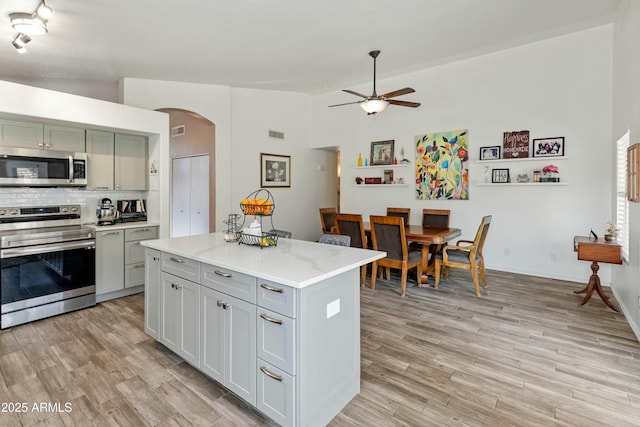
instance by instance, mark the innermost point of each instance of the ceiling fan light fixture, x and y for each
(21, 40)
(44, 11)
(19, 47)
(373, 106)
(27, 23)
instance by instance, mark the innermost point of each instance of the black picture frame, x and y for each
(275, 171)
(490, 153)
(500, 176)
(381, 153)
(548, 147)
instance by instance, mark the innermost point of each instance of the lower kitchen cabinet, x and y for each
(109, 261)
(120, 260)
(228, 337)
(152, 293)
(180, 318)
(276, 393)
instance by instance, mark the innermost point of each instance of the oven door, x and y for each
(34, 276)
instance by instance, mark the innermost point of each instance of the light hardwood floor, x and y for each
(523, 354)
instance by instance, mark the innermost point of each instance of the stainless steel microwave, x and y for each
(23, 167)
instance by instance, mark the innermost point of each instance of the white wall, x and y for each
(25, 102)
(557, 87)
(626, 117)
(243, 118)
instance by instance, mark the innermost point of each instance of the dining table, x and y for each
(432, 239)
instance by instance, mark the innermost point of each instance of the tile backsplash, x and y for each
(87, 199)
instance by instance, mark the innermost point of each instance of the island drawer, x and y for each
(277, 297)
(276, 339)
(239, 285)
(142, 233)
(180, 266)
(276, 393)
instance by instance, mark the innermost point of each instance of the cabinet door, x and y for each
(212, 328)
(199, 191)
(169, 312)
(189, 322)
(240, 340)
(130, 162)
(63, 138)
(109, 261)
(276, 394)
(14, 133)
(133, 253)
(100, 154)
(180, 197)
(152, 293)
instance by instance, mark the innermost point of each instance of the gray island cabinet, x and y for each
(277, 326)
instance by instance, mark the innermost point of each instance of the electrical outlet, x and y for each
(507, 252)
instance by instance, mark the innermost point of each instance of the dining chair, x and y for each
(335, 239)
(388, 235)
(468, 257)
(352, 225)
(404, 213)
(327, 218)
(432, 218)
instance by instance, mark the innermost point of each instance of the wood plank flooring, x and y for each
(523, 354)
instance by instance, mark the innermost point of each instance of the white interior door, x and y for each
(199, 194)
(180, 197)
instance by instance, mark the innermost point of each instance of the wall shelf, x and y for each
(525, 159)
(381, 185)
(513, 184)
(399, 165)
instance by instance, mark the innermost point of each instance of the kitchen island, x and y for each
(279, 326)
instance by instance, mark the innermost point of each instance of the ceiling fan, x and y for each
(376, 103)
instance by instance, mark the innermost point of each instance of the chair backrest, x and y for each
(436, 218)
(335, 239)
(404, 213)
(353, 226)
(481, 234)
(388, 235)
(327, 219)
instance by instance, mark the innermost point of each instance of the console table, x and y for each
(596, 250)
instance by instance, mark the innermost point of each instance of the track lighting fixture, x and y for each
(29, 24)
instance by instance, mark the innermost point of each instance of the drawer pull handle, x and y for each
(174, 286)
(110, 233)
(138, 266)
(271, 319)
(222, 304)
(140, 230)
(223, 274)
(269, 374)
(174, 259)
(269, 288)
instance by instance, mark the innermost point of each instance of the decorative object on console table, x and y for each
(500, 176)
(275, 170)
(382, 152)
(490, 153)
(550, 173)
(515, 144)
(548, 147)
(442, 166)
(612, 232)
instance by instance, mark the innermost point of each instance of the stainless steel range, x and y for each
(47, 263)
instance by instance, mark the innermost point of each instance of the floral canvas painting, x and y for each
(442, 166)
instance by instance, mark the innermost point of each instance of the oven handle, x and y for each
(43, 249)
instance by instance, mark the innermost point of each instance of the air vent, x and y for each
(275, 134)
(177, 130)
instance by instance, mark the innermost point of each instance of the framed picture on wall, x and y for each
(548, 147)
(490, 153)
(382, 152)
(500, 175)
(275, 170)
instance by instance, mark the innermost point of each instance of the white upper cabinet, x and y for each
(130, 166)
(63, 138)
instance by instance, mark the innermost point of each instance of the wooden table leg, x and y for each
(594, 285)
(428, 263)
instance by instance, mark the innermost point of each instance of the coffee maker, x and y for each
(106, 212)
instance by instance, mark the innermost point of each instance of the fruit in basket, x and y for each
(258, 206)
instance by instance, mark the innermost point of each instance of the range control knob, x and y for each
(74, 209)
(63, 210)
(13, 212)
(2, 211)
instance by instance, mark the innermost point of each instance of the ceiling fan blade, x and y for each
(404, 103)
(346, 103)
(398, 92)
(354, 93)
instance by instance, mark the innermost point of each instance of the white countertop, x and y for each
(121, 226)
(295, 263)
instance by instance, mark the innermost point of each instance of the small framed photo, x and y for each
(382, 152)
(548, 147)
(275, 170)
(490, 153)
(500, 175)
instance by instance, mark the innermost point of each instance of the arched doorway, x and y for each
(192, 152)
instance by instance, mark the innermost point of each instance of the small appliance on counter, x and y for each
(106, 212)
(132, 210)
